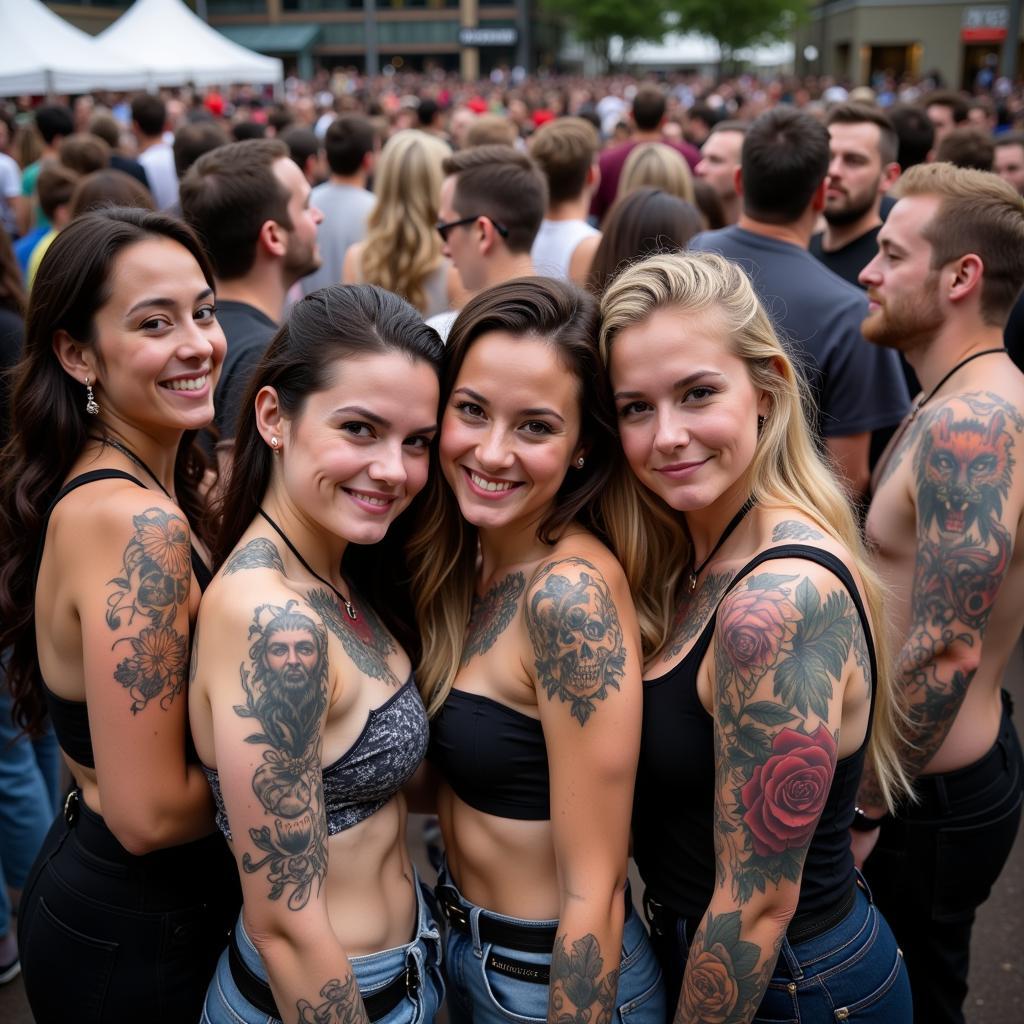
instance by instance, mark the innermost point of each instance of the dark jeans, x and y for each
(107, 937)
(936, 863)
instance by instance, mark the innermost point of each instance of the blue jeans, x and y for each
(29, 772)
(854, 967)
(226, 1005)
(481, 995)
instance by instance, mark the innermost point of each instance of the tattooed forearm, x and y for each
(341, 1004)
(285, 688)
(695, 611)
(491, 615)
(576, 636)
(155, 581)
(259, 553)
(365, 639)
(793, 529)
(580, 991)
(725, 978)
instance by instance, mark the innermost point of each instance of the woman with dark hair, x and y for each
(303, 705)
(127, 905)
(531, 671)
(641, 223)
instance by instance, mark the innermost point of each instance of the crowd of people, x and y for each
(603, 469)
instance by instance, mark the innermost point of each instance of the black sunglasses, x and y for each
(443, 229)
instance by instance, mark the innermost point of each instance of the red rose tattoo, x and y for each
(753, 627)
(786, 794)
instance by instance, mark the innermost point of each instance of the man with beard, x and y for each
(945, 519)
(250, 205)
(863, 148)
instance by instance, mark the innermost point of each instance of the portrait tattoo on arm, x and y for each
(491, 615)
(259, 553)
(341, 1004)
(576, 636)
(285, 686)
(365, 639)
(155, 581)
(579, 993)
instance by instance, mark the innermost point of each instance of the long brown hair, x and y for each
(51, 425)
(443, 549)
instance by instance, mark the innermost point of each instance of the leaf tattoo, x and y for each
(576, 636)
(285, 687)
(155, 581)
(578, 994)
(259, 553)
(491, 615)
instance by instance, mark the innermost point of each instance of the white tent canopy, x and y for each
(177, 47)
(40, 52)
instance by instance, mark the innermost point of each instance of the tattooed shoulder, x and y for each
(577, 640)
(284, 681)
(793, 529)
(259, 553)
(982, 403)
(491, 615)
(154, 582)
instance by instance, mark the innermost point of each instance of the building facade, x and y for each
(861, 40)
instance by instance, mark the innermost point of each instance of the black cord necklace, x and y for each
(963, 362)
(349, 608)
(733, 523)
(129, 454)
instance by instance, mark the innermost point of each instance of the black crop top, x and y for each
(71, 717)
(673, 808)
(493, 756)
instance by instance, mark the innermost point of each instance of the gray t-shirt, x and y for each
(859, 387)
(345, 209)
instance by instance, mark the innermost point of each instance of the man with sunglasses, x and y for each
(492, 203)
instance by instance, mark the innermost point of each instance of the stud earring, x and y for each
(580, 462)
(274, 443)
(760, 425)
(91, 405)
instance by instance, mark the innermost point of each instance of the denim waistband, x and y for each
(936, 792)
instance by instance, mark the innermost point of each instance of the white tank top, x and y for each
(556, 242)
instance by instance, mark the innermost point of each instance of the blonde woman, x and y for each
(655, 165)
(402, 250)
(531, 673)
(766, 686)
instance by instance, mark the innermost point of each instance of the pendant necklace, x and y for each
(733, 523)
(349, 607)
(131, 456)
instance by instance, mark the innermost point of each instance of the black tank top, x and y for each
(71, 717)
(673, 809)
(493, 756)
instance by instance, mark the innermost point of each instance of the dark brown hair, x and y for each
(969, 147)
(503, 184)
(640, 224)
(864, 113)
(51, 425)
(84, 153)
(228, 194)
(109, 188)
(55, 186)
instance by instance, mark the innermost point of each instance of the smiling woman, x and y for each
(101, 511)
(301, 697)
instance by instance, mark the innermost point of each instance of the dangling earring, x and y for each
(760, 425)
(91, 405)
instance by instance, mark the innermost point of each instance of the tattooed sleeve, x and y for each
(576, 636)
(153, 585)
(962, 473)
(285, 686)
(781, 648)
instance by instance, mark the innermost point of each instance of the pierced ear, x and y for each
(270, 420)
(78, 362)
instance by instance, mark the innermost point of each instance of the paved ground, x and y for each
(997, 952)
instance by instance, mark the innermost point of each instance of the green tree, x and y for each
(734, 24)
(596, 22)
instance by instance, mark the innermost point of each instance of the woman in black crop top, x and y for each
(129, 902)
(304, 709)
(762, 691)
(531, 672)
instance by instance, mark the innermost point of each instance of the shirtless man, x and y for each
(946, 522)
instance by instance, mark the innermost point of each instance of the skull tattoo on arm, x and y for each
(576, 636)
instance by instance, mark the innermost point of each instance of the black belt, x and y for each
(808, 925)
(378, 1004)
(524, 938)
